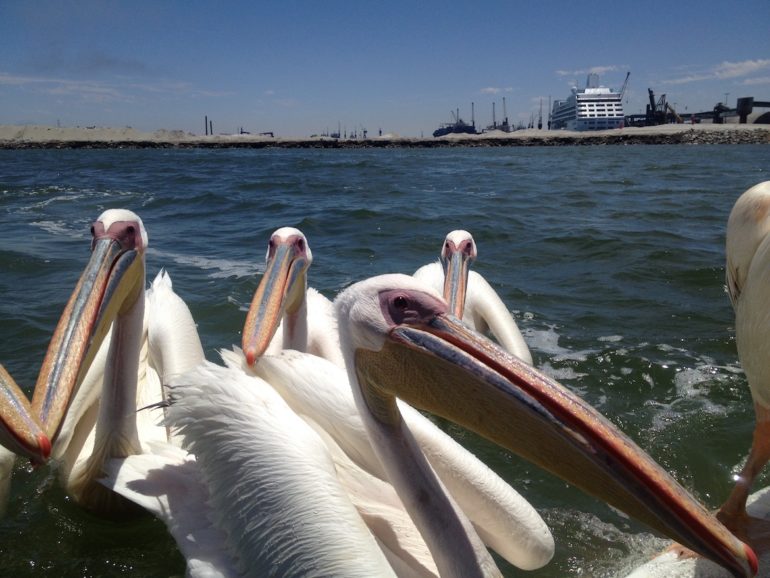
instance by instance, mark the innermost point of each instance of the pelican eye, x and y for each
(405, 306)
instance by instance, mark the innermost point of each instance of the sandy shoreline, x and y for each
(35, 136)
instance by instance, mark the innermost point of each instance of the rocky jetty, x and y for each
(41, 137)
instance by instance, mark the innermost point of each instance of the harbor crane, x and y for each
(625, 85)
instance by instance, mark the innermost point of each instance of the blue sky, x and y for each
(302, 67)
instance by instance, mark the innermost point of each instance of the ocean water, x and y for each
(610, 258)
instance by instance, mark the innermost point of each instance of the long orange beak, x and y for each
(111, 280)
(444, 368)
(282, 289)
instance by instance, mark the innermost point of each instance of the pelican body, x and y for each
(98, 368)
(748, 285)
(400, 341)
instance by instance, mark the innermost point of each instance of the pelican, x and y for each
(399, 340)
(470, 297)
(105, 359)
(748, 279)
(747, 272)
(265, 473)
(320, 392)
(285, 313)
(317, 391)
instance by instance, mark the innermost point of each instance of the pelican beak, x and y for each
(282, 289)
(111, 282)
(444, 368)
(456, 268)
(20, 431)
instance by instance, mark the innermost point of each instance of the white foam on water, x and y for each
(693, 388)
(58, 228)
(607, 551)
(217, 268)
(238, 303)
(547, 341)
(561, 373)
(611, 338)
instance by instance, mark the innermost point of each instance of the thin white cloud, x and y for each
(495, 90)
(723, 71)
(757, 81)
(738, 69)
(93, 90)
(593, 70)
(9, 79)
(286, 102)
(86, 90)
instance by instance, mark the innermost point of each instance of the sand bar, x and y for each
(35, 136)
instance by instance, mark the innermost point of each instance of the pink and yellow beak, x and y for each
(457, 254)
(112, 280)
(440, 366)
(282, 290)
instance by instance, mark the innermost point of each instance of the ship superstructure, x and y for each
(594, 107)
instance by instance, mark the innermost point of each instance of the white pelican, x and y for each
(97, 372)
(266, 486)
(748, 284)
(747, 275)
(320, 392)
(470, 297)
(285, 313)
(399, 340)
(280, 498)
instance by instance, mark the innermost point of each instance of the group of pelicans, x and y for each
(304, 453)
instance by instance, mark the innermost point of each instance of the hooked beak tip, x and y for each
(45, 445)
(251, 356)
(44, 448)
(752, 559)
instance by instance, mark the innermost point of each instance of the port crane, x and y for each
(661, 112)
(623, 88)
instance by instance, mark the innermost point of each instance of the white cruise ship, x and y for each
(591, 108)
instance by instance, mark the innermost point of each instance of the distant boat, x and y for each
(591, 108)
(459, 126)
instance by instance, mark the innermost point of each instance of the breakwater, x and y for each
(123, 138)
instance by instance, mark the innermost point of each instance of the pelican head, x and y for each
(457, 254)
(282, 290)
(403, 341)
(111, 283)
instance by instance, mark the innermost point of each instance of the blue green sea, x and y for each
(611, 259)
